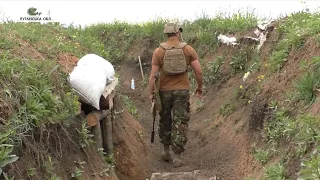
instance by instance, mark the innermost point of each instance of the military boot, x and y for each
(166, 156)
(177, 162)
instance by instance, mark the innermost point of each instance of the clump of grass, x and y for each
(129, 104)
(261, 155)
(307, 87)
(239, 62)
(276, 171)
(212, 72)
(226, 109)
(310, 166)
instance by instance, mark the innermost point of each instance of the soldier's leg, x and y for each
(165, 124)
(181, 117)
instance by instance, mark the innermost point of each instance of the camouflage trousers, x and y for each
(174, 119)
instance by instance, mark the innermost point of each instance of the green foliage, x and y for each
(129, 104)
(306, 132)
(199, 105)
(224, 22)
(226, 109)
(302, 130)
(38, 93)
(77, 173)
(275, 128)
(49, 167)
(31, 172)
(85, 136)
(202, 33)
(239, 62)
(310, 167)
(78, 170)
(307, 86)
(212, 72)
(275, 172)
(35, 90)
(295, 29)
(261, 155)
(5, 151)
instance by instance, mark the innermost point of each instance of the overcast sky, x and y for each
(86, 12)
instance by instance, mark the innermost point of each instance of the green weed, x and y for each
(307, 87)
(85, 137)
(129, 104)
(49, 168)
(31, 172)
(77, 173)
(199, 105)
(310, 167)
(239, 61)
(275, 128)
(275, 172)
(6, 156)
(307, 132)
(226, 109)
(212, 72)
(261, 155)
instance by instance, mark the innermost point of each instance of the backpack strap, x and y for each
(165, 45)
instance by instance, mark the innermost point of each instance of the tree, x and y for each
(33, 12)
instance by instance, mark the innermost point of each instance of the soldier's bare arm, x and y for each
(195, 65)
(198, 73)
(154, 70)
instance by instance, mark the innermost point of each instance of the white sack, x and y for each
(90, 77)
(100, 63)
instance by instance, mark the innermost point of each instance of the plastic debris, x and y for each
(132, 84)
(227, 40)
(246, 75)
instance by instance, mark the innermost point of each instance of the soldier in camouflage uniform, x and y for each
(172, 60)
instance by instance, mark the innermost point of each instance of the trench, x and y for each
(213, 150)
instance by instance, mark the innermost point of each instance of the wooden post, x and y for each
(96, 130)
(141, 68)
(93, 119)
(107, 125)
(107, 135)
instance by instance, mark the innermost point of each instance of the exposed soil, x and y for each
(67, 61)
(27, 51)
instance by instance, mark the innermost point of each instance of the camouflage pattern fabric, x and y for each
(174, 120)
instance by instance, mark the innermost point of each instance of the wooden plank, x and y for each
(141, 68)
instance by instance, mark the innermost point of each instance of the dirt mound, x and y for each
(67, 61)
(128, 143)
(26, 50)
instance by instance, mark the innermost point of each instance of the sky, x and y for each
(85, 12)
